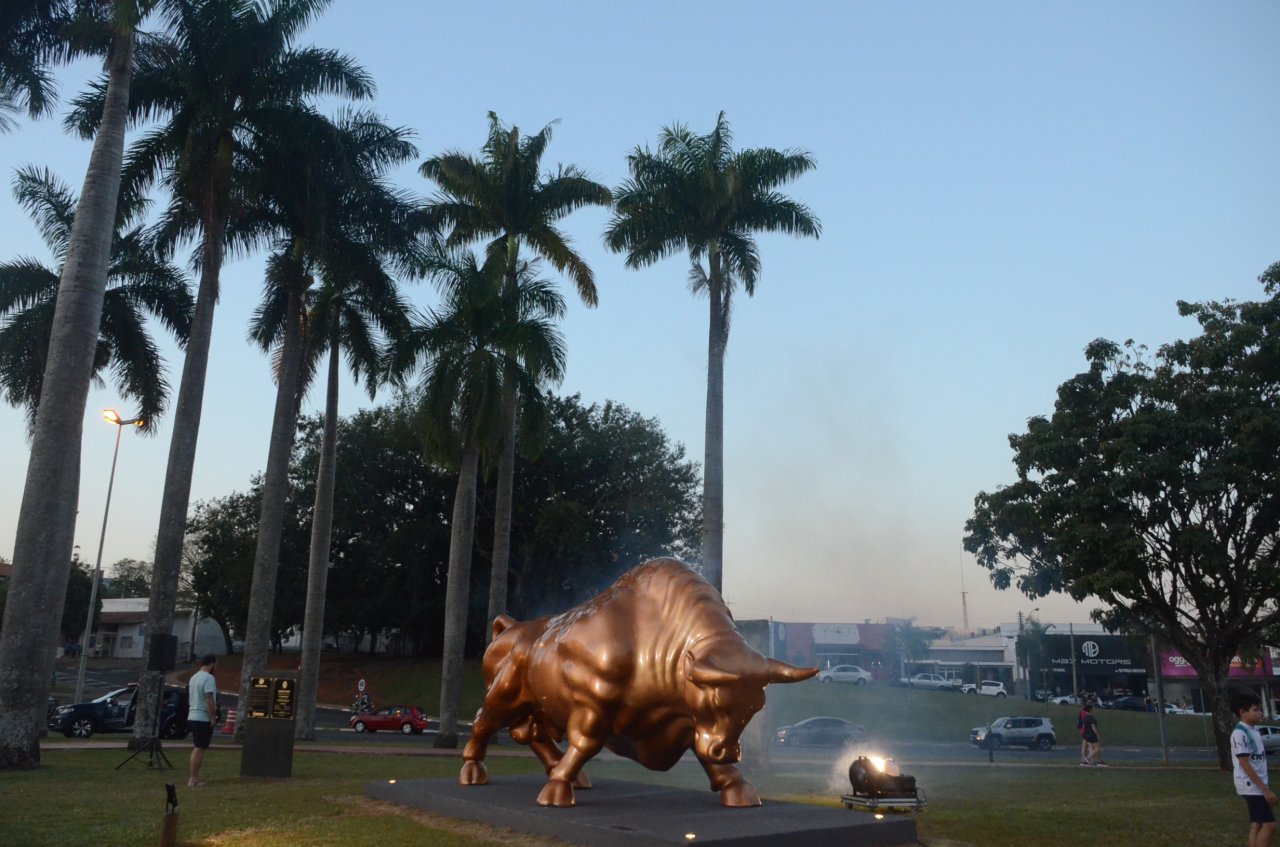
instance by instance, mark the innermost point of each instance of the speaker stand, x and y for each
(152, 747)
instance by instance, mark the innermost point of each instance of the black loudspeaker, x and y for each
(163, 656)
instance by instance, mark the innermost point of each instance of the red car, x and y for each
(407, 719)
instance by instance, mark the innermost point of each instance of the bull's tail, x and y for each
(502, 623)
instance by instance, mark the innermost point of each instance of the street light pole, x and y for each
(111, 417)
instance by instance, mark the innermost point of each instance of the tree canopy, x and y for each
(1153, 488)
(605, 490)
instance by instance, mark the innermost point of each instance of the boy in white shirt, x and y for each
(1251, 769)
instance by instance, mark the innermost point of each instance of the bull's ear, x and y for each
(502, 623)
(705, 671)
(782, 672)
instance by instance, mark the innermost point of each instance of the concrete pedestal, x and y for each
(615, 813)
(268, 748)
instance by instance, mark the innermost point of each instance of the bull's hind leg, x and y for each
(734, 789)
(493, 715)
(473, 769)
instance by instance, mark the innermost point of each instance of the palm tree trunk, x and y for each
(461, 538)
(275, 487)
(177, 479)
(318, 567)
(506, 470)
(503, 504)
(47, 519)
(713, 460)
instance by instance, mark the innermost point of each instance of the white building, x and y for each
(121, 631)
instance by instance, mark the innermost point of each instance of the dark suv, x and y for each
(1034, 733)
(115, 712)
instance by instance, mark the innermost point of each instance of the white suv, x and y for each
(845, 673)
(989, 687)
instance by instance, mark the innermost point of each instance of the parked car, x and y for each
(1072, 700)
(989, 687)
(1270, 738)
(410, 720)
(115, 712)
(934, 681)
(845, 673)
(1032, 732)
(1128, 704)
(821, 732)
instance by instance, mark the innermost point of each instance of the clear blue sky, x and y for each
(999, 184)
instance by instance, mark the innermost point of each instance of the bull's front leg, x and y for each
(585, 735)
(734, 789)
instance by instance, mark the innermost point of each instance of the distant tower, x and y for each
(964, 595)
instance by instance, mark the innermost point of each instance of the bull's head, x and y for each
(727, 681)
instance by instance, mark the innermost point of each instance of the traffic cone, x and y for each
(229, 727)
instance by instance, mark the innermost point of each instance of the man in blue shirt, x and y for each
(202, 692)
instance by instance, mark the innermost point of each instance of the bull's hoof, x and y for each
(739, 795)
(557, 792)
(581, 781)
(473, 773)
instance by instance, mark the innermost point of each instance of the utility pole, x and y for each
(1075, 685)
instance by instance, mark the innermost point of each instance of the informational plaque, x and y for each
(260, 689)
(268, 736)
(282, 698)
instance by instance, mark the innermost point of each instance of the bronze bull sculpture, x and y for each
(650, 668)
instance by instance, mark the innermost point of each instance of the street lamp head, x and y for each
(112, 416)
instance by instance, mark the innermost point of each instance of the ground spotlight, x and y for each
(879, 786)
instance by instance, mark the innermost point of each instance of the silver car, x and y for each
(1270, 738)
(845, 673)
(1031, 732)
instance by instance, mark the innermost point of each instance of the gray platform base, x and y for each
(615, 813)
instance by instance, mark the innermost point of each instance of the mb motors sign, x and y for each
(1094, 654)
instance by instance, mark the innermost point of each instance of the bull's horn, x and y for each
(782, 672)
(705, 671)
(502, 623)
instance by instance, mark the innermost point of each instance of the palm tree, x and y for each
(485, 335)
(696, 194)
(344, 224)
(505, 199)
(32, 34)
(46, 521)
(138, 282)
(220, 78)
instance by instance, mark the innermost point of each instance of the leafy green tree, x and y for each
(696, 194)
(221, 79)
(390, 536)
(603, 490)
(506, 200)
(220, 549)
(472, 347)
(130, 578)
(339, 219)
(1029, 650)
(1152, 487)
(46, 521)
(906, 644)
(75, 607)
(138, 282)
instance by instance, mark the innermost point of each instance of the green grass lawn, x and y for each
(77, 798)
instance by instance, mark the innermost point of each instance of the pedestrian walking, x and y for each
(202, 692)
(1092, 740)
